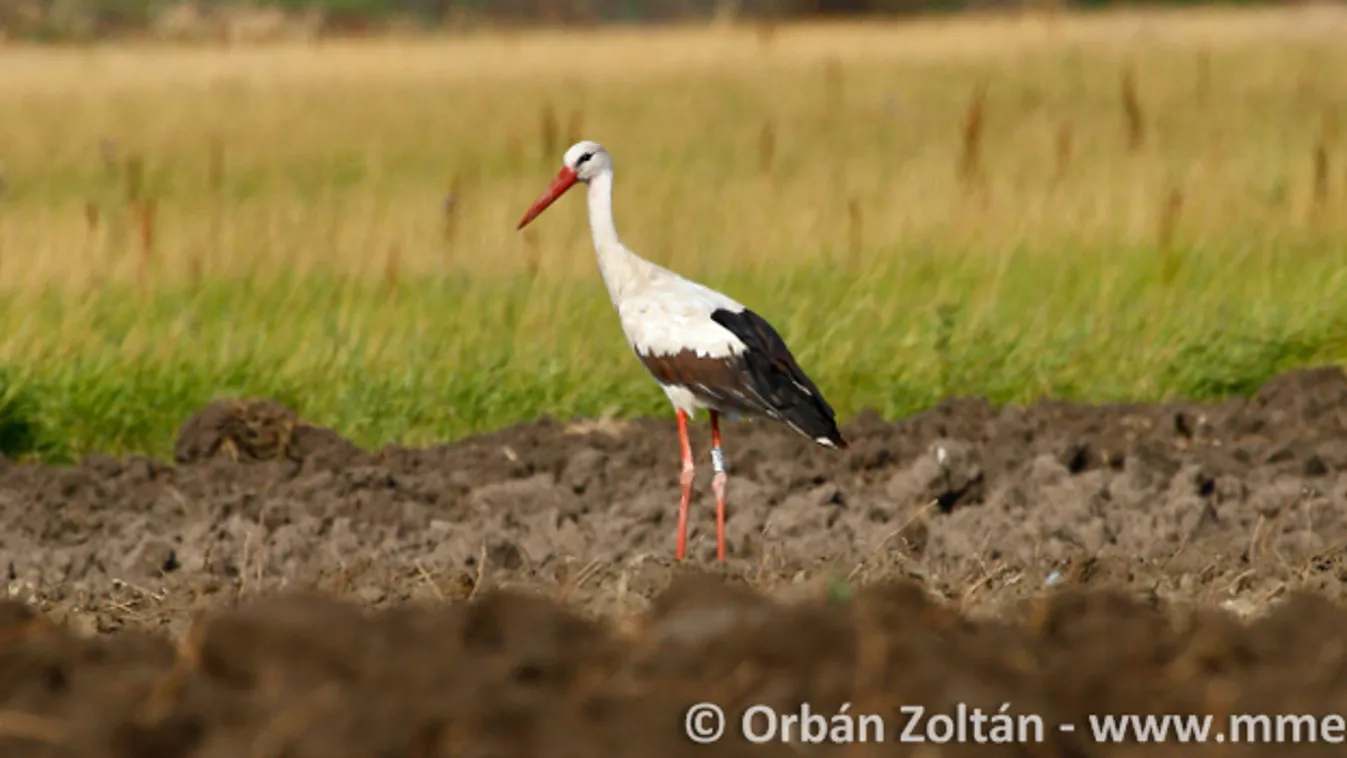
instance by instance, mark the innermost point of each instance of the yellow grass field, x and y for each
(1106, 206)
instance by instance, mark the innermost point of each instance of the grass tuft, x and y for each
(20, 434)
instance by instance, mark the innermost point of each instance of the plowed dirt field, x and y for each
(278, 591)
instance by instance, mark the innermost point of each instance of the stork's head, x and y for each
(583, 161)
(587, 159)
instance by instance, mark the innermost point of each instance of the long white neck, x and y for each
(618, 266)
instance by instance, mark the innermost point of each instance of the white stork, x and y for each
(706, 350)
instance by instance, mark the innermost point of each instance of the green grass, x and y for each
(317, 270)
(437, 359)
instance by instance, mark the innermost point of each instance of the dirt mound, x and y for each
(512, 674)
(255, 430)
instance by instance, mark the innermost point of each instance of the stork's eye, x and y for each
(581, 160)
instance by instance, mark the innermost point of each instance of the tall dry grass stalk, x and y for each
(1171, 211)
(833, 85)
(1321, 184)
(548, 131)
(135, 178)
(393, 268)
(575, 127)
(145, 211)
(215, 179)
(1134, 118)
(855, 231)
(107, 151)
(145, 224)
(450, 208)
(1202, 78)
(1171, 255)
(970, 154)
(1319, 181)
(766, 146)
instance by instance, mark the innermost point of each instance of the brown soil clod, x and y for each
(252, 430)
(241, 430)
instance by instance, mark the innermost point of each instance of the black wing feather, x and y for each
(776, 378)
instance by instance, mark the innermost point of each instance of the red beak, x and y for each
(563, 181)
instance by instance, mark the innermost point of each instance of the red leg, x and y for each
(689, 473)
(718, 484)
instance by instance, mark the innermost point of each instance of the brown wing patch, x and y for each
(688, 368)
(724, 381)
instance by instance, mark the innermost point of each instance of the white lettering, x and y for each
(910, 733)
(758, 736)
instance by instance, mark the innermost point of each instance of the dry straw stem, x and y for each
(145, 226)
(575, 127)
(392, 267)
(766, 146)
(547, 132)
(1202, 85)
(1321, 180)
(135, 177)
(854, 230)
(1170, 213)
(973, 122)
(452, 198)
(832, 77)
(1134, 118)
(195, 271)
(1319, 188)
